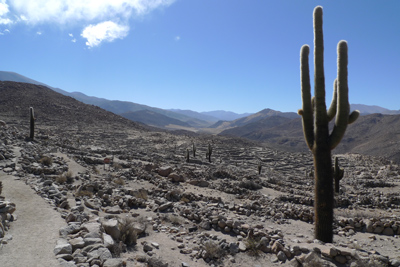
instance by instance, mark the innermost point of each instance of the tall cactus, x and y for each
(32, 123)
(316, 123)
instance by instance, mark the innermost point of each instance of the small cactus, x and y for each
(32, 123)
(187, 156)
(259, 167)
(338, 174)
(194, 150)
(209, 152)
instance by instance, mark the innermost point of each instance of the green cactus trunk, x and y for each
(338, 174)
(316, 123)
(32, 124)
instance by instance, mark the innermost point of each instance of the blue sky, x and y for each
(203, 55)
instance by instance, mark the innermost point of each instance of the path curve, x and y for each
(35, 232)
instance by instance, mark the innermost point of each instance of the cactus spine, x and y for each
(338, 174)
(315, 123)
(32, 123)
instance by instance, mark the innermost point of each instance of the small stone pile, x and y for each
(6, 217)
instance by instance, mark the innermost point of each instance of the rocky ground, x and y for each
(150, 206)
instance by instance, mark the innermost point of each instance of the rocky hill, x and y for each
(54, 109)
(265, 113)
(153, 118)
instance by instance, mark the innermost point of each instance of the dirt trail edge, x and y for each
(35, 232)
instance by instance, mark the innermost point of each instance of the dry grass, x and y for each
(128, 233)
(47, 161)
(119, 181)
(141, 193)
(252, 246)
(84, 193)
(213, 250)
(65, 178)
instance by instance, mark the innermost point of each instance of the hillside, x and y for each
(374, 134)
(265, 113)
(153, 118)
(53, 108)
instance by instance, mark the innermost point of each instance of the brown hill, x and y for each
(255, 127)
(265, 113)
(153, 118)
(54, 109)
(374, 134)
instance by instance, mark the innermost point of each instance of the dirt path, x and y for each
(35, 232)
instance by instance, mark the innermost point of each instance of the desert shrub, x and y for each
(1, 186)
(252, 246)
(141, 193)
(213, 250)
(129, 235)
(117, 166)
(65, 178)
(47, 161)
(61, 179)
(84, 193)
(119, 181)
(70, 178)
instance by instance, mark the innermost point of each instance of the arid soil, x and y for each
(116, 193)
(192, 213)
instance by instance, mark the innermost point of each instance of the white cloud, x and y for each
(71, 35)
(100, 14)
(3, 13)
(70, 11)
(73, 40)
(177, 38)
(39, 33)
(104, 31)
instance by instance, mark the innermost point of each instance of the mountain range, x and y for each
(374, 134)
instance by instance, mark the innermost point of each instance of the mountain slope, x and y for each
(225, 115)
(365, 109)
(265, 113)
(115, 106)
(249, 129)
(196, 115)
(54, 109)
(153, 118)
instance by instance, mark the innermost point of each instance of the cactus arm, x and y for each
(307, 111)
(354, 116)
(343, 106)
(332, 108)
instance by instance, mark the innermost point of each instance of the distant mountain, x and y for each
(249, 129)
(265, 113)
(115, 106)
(153, 118)
(365, 109)
(15, 77)
(196, 115)
(225, 115)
